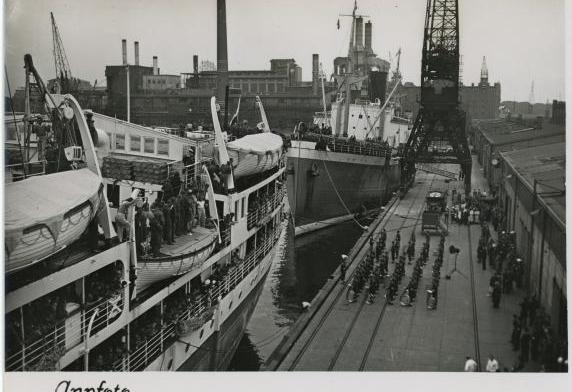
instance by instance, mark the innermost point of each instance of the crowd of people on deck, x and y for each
(176, 212)
(44, 318)
(322, 135)
(201, 296)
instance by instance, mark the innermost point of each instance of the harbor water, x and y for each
(295, 277)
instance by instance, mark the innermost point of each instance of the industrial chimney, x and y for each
(124, 50)
(136, 52)
(155, 66)
(221, 48)
(368, 37)
(196, 71)
(315, 73)
(359, 32)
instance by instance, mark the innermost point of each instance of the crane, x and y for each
(438, 134)
(64, 76)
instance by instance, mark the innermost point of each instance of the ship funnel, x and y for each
(124, 50)
(359, 32)
(368, 36)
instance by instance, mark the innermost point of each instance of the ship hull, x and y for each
(325, 187)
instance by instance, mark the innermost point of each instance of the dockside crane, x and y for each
(66, 82)
(438, 134)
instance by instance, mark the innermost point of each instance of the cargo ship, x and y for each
(345, 163)
(131, 249)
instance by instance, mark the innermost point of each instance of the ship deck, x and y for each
(187, 243)
(337, 335)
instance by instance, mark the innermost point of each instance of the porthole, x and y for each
(201, 334)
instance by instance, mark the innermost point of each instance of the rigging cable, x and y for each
(15, 122)
(339, 196)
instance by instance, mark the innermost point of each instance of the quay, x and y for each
(337, 335)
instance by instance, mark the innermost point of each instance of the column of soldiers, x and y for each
(368, 273)
(380, 267)
(398, 271)
(395, 280)
(361, 276)
(395, 244)
(433, 292)
(410, 293)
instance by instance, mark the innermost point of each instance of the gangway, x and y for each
(435, 170)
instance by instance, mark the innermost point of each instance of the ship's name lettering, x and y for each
(66, 386)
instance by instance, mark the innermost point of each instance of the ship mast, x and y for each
(349, 71)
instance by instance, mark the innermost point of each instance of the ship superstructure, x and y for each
(349, 166)
(93, 284)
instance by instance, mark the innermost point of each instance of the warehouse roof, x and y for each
(547, 165)
(500, 131)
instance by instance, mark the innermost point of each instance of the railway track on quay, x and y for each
(358, 255)
(474, 302)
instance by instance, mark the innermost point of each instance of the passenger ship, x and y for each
(347, 163)
(78, 298)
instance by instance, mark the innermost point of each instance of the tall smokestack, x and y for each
(196, 71)
(155, 65)
(221, 55)
(368, 36)
(136, 52)
(124, 50)
(315, 73)
(359, 32)
(221, 49)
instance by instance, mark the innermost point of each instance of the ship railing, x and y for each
(264, 208)
(19, 171)
(337, 144)
(190, 171)
(43, 353)
(153, 346)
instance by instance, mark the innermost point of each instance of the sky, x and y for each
(523, 40)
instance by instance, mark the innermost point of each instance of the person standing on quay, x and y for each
(492, 364)
(343, 269)
(470, 364)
